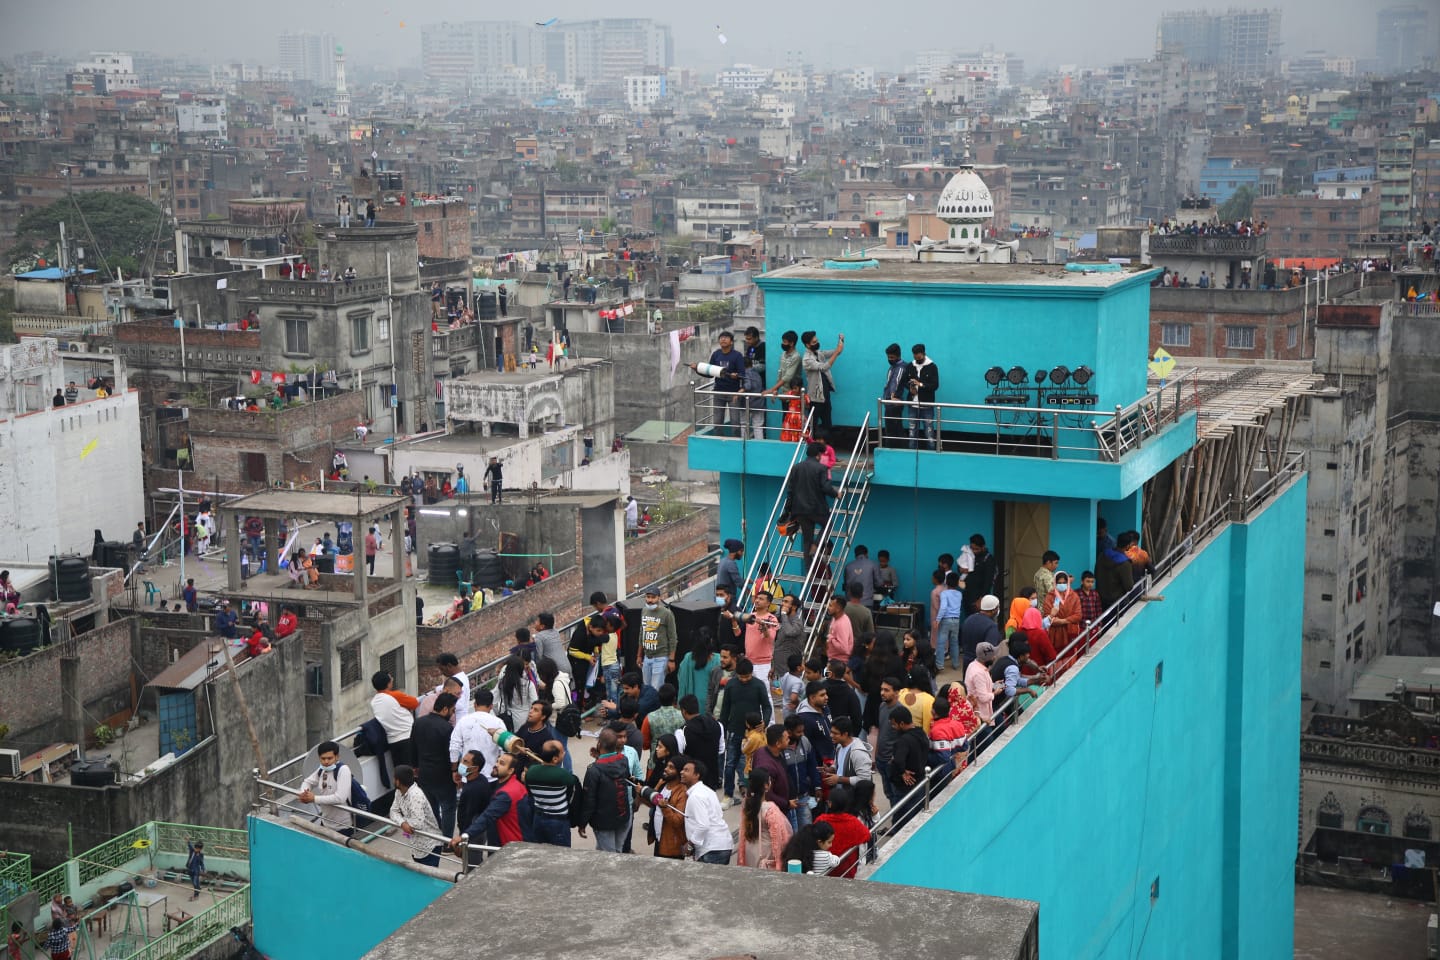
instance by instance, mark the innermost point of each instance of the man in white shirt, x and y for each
(449, 665)
(705, 827)
(411, 813)
(329, 786)
(476, 731)
(395, 710)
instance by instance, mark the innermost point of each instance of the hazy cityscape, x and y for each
(799, 439)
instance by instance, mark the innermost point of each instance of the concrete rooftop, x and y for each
(704, 912)
(909, 271)
(310, 504)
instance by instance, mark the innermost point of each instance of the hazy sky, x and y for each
(834, 33)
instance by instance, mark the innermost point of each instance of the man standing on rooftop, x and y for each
(728, 365)
(923, 381)
(818, 382)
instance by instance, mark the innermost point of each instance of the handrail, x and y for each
(370, 815)
(766, 551)
(847, 494)
(489, 672)
(704, 422)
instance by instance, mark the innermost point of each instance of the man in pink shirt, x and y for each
(978, 683)
(937, 578)
(372, 547)
(760, 627)
(840, 641)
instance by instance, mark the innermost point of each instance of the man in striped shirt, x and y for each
(552, 794)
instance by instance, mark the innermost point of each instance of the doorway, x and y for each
(1024, 536)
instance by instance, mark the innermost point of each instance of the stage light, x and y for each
(994, 375)
(1082, 375)
(1040, 375)
(1059, 375)
(1016, 375)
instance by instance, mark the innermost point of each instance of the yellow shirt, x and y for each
(920, 704)
(610, 649)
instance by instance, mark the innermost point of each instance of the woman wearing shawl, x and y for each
(1042, 648)
(1025, 601)
(1062, 606)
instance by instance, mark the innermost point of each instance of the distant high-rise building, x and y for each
(1244, 44)
(579, 52)
(1407, 36)
(308, 56)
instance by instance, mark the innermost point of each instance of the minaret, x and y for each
(342, 97)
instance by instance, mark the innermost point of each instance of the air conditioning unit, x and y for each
(1425, 704)
(10, 764)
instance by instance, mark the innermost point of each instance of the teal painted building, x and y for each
(1167, 762)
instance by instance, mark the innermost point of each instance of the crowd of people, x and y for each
(737, 717)
(1211, 228)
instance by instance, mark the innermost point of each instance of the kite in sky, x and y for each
(546, 23)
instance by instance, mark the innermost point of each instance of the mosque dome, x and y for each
(965, 199)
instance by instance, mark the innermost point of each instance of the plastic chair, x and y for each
(151, 592)
(463, 585)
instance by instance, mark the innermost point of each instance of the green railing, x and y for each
(220, 842)
(14, 882)
(49, 883)
(112, 854)
(188, 937)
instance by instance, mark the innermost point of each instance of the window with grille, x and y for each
(349, 664)
(1175, 334)
(393, 663)
(1240, 338)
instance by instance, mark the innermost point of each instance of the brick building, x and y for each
(1314, 226)
(444, 227)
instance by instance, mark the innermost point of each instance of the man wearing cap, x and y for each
(727, 572)
(978, 684)
(980, 627)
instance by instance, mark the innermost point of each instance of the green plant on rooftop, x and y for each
(124, 228)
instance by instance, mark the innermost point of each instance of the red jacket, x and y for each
(849, 833)
(509, 824)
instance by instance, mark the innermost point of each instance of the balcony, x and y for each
(979, 447)
(312, 291)
(1181, 245)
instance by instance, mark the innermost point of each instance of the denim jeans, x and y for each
(734, 762)
(653, 670)
(882, 770)
(948, 638)
(612, 682)
(431, 861)
(922, 427)
(720, 857)
(554, 830)
(442, 804)
(610, 840)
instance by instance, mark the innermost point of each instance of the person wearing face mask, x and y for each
(657, 640)
(475, 792)
(1062, 607)
(329, 787)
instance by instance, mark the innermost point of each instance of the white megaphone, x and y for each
(709, 369)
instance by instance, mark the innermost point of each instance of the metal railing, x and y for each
(769, 553)
(832, 543)
(1072, 654)
(383, 825)
(488, 673)
(1059, 433)
(189, 936)
(736, 414)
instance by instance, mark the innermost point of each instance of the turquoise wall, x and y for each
(967, 328)
(312, 898)
(1114, 780)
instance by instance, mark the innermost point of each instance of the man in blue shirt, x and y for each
(947, 623)
(728, 380)
(895, 389)
(225, 620)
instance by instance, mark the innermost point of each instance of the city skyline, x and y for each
(383, 33)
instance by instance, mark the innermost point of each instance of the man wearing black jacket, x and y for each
(809, 487)
(922, 378)
(742, 695)
(701, 734)
(907, 762)
(475, 792)
(430, 738)
(843, 702)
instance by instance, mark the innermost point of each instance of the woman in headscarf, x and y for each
(1025, 601)
(1062, 606)
(1042, 649)
(692, 674)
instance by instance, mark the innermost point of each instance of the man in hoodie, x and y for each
(744, 694)
(815, 714)
(606, 805)
(923, 380)
(802, 770)
(897, 389)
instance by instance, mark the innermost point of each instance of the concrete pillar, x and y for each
(397, 544)
(603, 563)
(361, 572)
(274, 541)
(72, 699)
(234, 540)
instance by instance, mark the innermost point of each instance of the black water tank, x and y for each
(91, 773)
(443, 561)
(20, 633)
(114, 553)
(486, 307)
(71, 576)
(489, 571)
